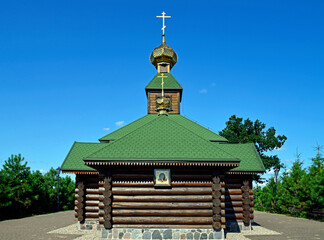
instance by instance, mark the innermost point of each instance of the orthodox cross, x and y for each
(163, 23)
(162, 83)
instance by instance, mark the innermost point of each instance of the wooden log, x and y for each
(163, 205)
(107, 224)
(90, 190)
(107, 193)
(231, 185)
(234, 216)
(216, 202)
(88, 215)
(202, 226)
(79, 205)
(89, 208)
(91, 202)
(153, 191)
(107, 208)
(217, 194)
(151, 212)
(151, 176)
(88, 197)
(80, 186)
(162, 220)
(217, 226)
(246, 201)
(166, 198)
(107, 216)
(151, 184)
(216, 187)
(106, 201)
(233, 204)
(232, 191)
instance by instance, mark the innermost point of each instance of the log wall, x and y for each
(238, 198)
(137, 203)
(200, 198)
(173, 96)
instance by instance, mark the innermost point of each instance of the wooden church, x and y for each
(163, 171)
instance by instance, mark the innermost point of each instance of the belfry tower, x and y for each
(163, 58)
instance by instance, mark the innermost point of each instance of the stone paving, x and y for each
(62, 226)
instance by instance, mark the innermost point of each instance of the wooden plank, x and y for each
(146, 191)
(151, 212)
(166, 198)
(162, 220)
(163, 205)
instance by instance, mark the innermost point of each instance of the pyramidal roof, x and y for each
(162, 138)
(171, 137)
(169, 82)
(181, 120)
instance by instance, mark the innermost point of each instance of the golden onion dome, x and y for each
(163, 54)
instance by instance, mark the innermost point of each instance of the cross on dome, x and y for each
(163, 21)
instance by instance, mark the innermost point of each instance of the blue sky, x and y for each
(76, 70)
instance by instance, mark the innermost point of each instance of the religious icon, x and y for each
(162, 177)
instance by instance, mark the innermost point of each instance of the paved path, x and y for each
(289, 227)
(35, 228)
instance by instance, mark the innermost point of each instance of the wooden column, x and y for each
(80, 199)
(216, 196)
(246, 202)
(107, 194)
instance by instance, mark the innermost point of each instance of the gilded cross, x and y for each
(162, 83)
(163, 22)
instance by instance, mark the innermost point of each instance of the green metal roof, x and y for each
(247, 153)
(172, 137)
(79, 150)
(169, 82)
(183, 121)
(162, 139)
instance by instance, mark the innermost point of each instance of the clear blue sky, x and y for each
(71, 70)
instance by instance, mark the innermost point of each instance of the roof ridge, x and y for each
(202, 126)
(204, 139)
(119, 129)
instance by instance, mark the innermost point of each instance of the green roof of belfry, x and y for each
(162, 139)
(79, 150)
(247, 153)
(183, 121)
(169, 82)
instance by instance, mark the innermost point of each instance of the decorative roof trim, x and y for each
(244, 172)
(79, 172)
(146, 163)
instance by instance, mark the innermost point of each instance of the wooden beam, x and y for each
(165, 198)
(162, 205)
(162, 220)
(153, 191)
(155, 212)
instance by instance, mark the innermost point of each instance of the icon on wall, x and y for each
(162, 177)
